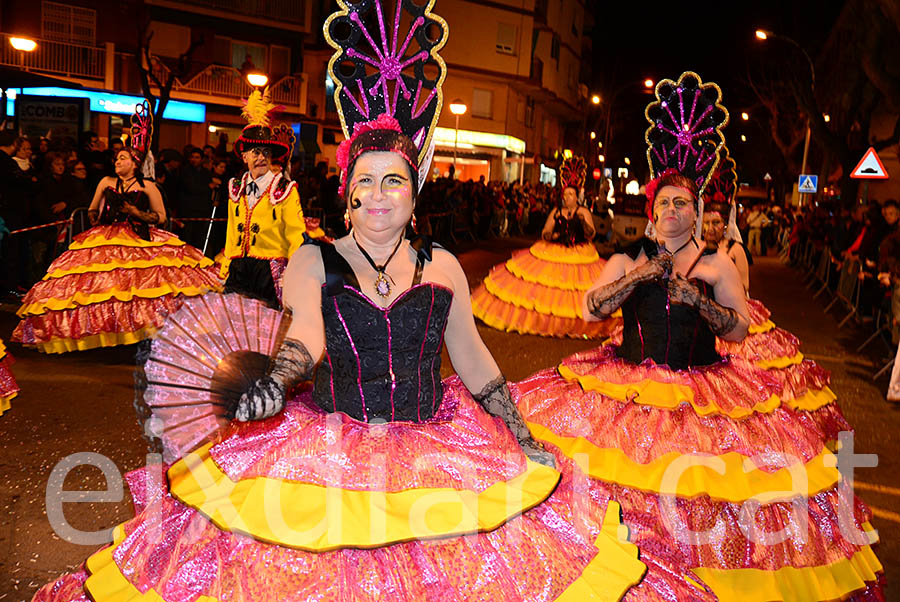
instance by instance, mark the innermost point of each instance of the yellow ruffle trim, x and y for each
(615, 568)
(834, 581)
(812, 400)
(80, 299)
(579, 284)
(103, 339)
(106, 582)
(4, 403)
(607, 578)
(760, 328)
(780, 362)
(526, 322)
(100, 240)
(172, 262)
(570, 307)
(317, 518)
(729, 477)
(2, 350)
(556, 253)
(667, 396)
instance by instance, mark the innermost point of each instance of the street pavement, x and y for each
(83, 402)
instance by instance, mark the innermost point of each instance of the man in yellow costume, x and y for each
(265, 220)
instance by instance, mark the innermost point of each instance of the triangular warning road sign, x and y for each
(870, 167)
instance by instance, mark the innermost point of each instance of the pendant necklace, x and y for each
(382, 286)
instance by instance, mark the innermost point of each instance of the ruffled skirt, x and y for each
(539, 291)
(716, 467)
(8, 386)
(111, 287)
(314, 506)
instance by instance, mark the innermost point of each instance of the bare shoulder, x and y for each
(150, 185)
(306, 263)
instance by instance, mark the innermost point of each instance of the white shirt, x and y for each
(262, 183)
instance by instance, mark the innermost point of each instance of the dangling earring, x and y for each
(412, 222)
(347, 219)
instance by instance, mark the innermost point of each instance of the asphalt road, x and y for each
(82, 402)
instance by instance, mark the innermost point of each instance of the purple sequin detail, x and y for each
(390, 354)
(277, 267)
(362, 396)
(331, 380)
(640, 330)
(419, 364)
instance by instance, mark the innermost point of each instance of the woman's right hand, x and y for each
(265, 398)
(654, 269)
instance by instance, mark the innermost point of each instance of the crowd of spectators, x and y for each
(865, 238)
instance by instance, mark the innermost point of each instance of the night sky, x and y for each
(634, 40)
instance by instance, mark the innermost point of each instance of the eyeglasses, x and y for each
(256, 152)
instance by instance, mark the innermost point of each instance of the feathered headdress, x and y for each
(685, 132)
(258, 111)
(382, 91)
(572, 172)
(721, 192)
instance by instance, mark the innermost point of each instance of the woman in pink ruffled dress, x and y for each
(714, 465)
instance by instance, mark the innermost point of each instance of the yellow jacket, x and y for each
(273, 229)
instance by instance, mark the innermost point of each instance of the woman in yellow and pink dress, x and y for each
(8, 386)
(539, 290)
(117, 281)
(713, 468)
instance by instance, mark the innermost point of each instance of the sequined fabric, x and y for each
(539, 291)
(111, 287)
(8, 386)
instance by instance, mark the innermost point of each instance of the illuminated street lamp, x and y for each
(627, 161)
(745, 116)
(457, 107)
(601, 158)
(595, 99)
(257, 79)
(648, 83)
(23, 44)
(593, 135)
(743, 138)
(826, 117)
(762, 34)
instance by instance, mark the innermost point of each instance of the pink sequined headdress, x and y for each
(685, 132)
(384, 97)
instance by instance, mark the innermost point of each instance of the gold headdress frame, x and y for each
(687, 142)
(425, 148)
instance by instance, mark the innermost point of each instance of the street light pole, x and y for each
(457, 107)
(763, 34)
(455, 144)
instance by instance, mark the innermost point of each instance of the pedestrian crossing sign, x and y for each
(808, 184)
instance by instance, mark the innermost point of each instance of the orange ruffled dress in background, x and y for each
(112, 287)
(8, 386)
(539, 291)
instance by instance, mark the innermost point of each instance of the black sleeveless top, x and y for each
(112, 213)
(381, 363)
(668, 333)
(571, 230)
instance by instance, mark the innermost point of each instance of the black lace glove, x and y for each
(496, 400)
(607, 299)
(265, 397)
(721, 319)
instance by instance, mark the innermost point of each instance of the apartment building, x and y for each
(516, 64)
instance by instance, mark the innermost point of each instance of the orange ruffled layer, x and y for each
(539, 291)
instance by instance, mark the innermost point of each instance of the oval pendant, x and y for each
(382, 287)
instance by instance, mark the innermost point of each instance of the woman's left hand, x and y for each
(681, 291)
(536, 453)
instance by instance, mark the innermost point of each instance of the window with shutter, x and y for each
(482, 101)
(65, 23)
(506, 38)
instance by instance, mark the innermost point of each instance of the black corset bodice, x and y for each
(571, 231)
(380, 363)
(668, 333)
(113, 213)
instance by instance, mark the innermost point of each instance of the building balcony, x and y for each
(84, 64)
(226, 85)
(293, 15)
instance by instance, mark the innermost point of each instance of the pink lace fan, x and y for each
(205, 356)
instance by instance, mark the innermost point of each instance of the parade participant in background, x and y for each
(720, 216)
(8, 386)
(539, 290)
(265, 220)
(648, 416)
(380, 432)
(117, 281)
